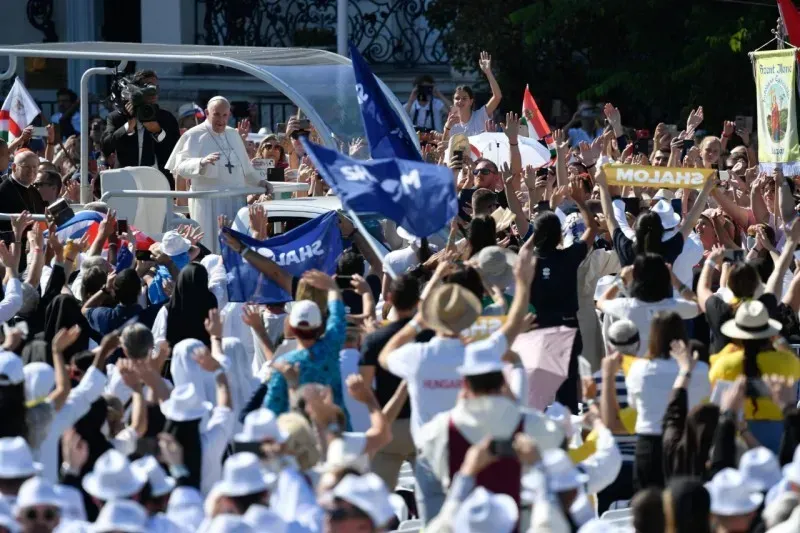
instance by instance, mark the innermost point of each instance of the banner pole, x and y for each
(370, 240)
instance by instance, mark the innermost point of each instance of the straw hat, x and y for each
(451, 308)
(752, 321)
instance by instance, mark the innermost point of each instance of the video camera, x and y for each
(424, 91)
(124, 90)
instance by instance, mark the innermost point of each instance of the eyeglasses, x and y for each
(40, 184)
(47, 515)
(482, 171)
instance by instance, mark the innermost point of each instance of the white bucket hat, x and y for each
(751, 321)
(481, 358)
(368, 493)
(496, 266)
(72, 505)
(37, 491)
(228, 523)
(172, 244)
(242, 474)
(259, 426)
(561, 472)
(121, 515)
(486, 512)
(732, 494)
(262, 518)
(761, 467)
(112, 478)
(669, 218)
(185, 507)
(792, 471)
(16, 459)
(11, 372)
(184, 404)
(40, 379)
(160, 482)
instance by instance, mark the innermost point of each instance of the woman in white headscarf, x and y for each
(240, 374)
(185, 370)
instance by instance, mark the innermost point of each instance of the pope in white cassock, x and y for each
(213, 156)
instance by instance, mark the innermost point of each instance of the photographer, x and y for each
(141, 143)
(426, 105)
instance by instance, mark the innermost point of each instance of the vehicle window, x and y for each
(283, 224)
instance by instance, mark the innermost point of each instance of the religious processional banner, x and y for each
(316, 244)
(657, 177)
(776, 74)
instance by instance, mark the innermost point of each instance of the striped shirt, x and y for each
(626, 443)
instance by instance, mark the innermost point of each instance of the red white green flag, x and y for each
(19, 110)
(537, 126)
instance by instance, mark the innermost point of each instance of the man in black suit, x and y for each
(142, 144)
(17, 194)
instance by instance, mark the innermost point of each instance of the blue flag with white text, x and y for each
(386, 133)
(316, 244)
(420, 197)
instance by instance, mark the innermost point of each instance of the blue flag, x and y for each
(420, 197)
(386, 132)
(316, 244)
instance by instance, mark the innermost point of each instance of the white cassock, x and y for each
(232, 170)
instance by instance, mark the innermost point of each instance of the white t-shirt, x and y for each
(401, 260)
(422, 117)
(641, 313)
(475, 126)
(430, 370)
(649, 384)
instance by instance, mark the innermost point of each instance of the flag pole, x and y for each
(370, 240)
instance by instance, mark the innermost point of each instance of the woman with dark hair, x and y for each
(183, 316)
(649, 231)
(649, 382)
(554, 293)
(687, 507)
(63, 313)
(481, 234)
(648, 283)
(753, 353)
(462, 119)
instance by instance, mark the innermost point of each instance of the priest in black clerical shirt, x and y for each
(17, 194)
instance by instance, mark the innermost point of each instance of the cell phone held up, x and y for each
(502, 448)
(733, 256)
(122, 226)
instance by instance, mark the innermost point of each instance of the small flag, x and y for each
(791, 19)
(537, 126)
(19, 110)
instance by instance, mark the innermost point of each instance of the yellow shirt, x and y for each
(728, 365)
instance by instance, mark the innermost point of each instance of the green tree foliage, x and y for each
(655, 59)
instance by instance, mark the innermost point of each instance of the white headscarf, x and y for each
(239, 373)
(185, 370)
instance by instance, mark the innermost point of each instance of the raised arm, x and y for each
(609, 405)
(687, 225)
(266, 266)
(524, 272)
(485, 64)
(379, 433)
(578, 195)
(775, 281)
(210, 364)
(714, 261)
(605, 199)
(562, 149)
(62, 340)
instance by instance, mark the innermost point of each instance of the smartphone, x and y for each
(642, 146)
(122, 226)
(147, 446)
(632, 206)
(304, 124)
(733, 256)
(281, 127)
(687, 145)
(502, 448)
(458, 155)
(276, 174)
(465, 204)
(39, 131)
(144, 255)
(343, 282)
(724, 176)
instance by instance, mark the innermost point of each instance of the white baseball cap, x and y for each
(305, 314)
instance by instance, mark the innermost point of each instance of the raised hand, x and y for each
(213, 324)
(512, 127)
(694, 120)
(20, 224)
(485, 62)
(680, 352)
(74, 450)
(259, 221)
(108, 226)
(72, 191)
(358, 144)
(290, 372)
(65, 338)
(358, 389)
(577, 192)
(360, 285)
(561, 140)
(203, 358)
(728, 127)
(320, 280)
(452, 118)
(243, 127)
(251, 316)
(613, 115)
(210, 159)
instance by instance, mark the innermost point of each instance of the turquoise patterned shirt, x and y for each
(320, 364)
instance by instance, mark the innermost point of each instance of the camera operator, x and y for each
(136, 143)
(426, 106)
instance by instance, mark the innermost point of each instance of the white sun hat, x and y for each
(262, 518)
(37, 491)
(160, 482)
(242, 474)
(562, 475)
(732, 494)
(665, 211)
(112, 478)
(121, 515)
(16, 459)
(185, 404)
(172, 244)
(761, 467)
(261, 425)
(486, 512)
(368, 493)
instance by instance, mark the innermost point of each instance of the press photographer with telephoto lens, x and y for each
(138, 130)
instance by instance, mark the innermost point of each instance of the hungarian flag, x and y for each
(537, 126)
(19, 110)
(791, 19)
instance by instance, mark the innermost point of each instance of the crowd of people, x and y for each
(639, 375)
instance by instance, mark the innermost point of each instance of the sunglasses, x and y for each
(269, 146)
(482, 171)
(340, 514)
(40, 184)
(46, 515)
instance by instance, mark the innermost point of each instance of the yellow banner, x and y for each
(775, 102)
(657, 177)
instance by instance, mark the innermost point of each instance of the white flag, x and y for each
(19, 110)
